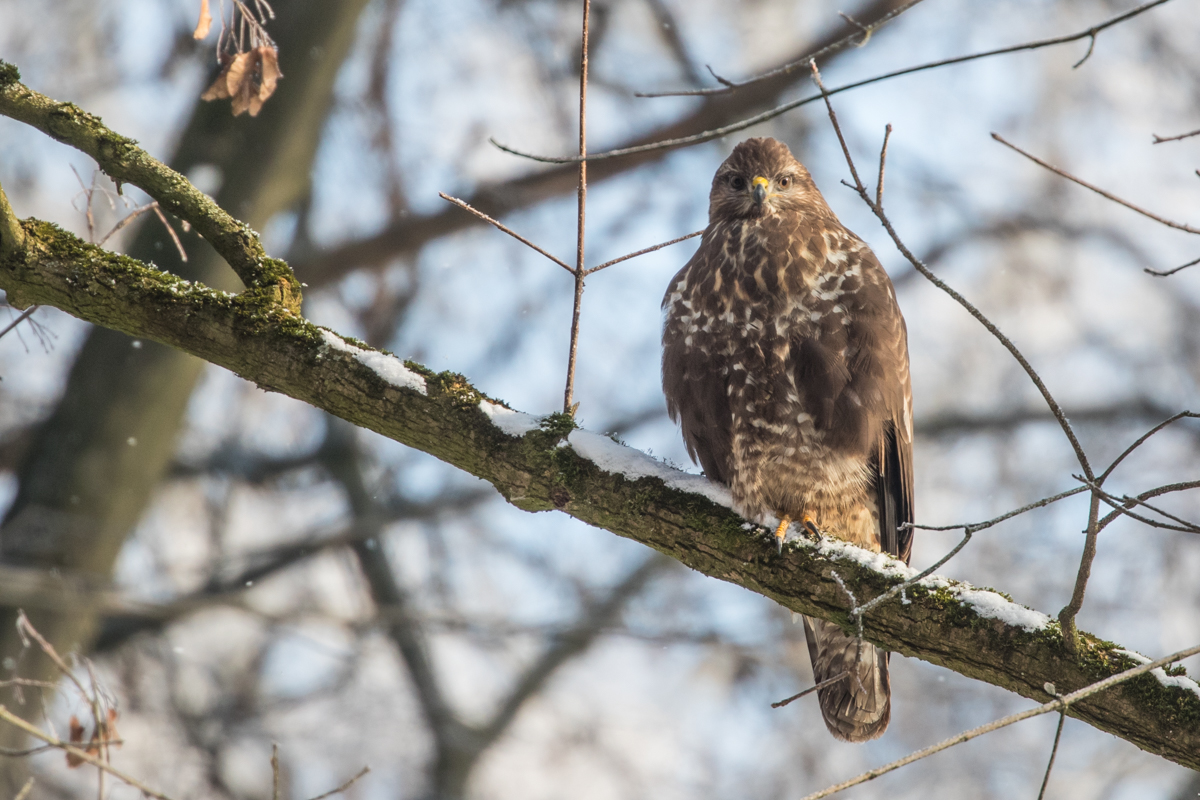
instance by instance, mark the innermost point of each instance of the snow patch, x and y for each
(1177, 681)
(390, 368)
(514, 423)
(634, 464)
(987, 604)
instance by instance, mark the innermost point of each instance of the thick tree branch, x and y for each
(125, 162)
(442, 414)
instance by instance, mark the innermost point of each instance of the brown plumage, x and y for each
(785, 359)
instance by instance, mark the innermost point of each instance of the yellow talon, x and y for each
(781, 532)
(810, 524)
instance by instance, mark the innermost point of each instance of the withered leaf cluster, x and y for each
(249, 78)
(104, 734)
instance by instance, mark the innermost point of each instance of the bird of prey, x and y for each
(785, 360)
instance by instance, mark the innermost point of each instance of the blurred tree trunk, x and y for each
(95, 463)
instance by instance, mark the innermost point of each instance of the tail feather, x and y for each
(858, 707)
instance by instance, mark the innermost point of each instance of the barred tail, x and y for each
(858, 707)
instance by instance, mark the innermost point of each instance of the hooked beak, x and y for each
(760, 185)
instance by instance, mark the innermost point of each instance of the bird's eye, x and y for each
(784, 182)
(737, 182)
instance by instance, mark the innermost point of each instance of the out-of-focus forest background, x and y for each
(307, 583)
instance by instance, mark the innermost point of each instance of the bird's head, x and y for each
(760, 178)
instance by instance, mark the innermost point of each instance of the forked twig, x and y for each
(862, 33)
(82, 755)
(579, 271)
(1068, 613)
(716, 133)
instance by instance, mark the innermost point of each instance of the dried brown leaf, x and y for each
(205, 23)
(76, 737)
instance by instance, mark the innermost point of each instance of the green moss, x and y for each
(9, 74)
(559, 424)
(422, 370)
(454, 387)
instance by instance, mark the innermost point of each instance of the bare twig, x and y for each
(1142, 440)
(24, 315)
(862, 33)
(579, 271)
(1179, 226)
(275, 787)
(1058, 704)
(1066, 617)
(174, 237)
(1121, 505)
(344, 786)
(25, 790)
(1160, 139)
(811, 689)
(1062, 718)
(1055, 408)
(716, 133)
(975, 527)
(1157, 492)
(608, 264)
(82, 755)
(463, 205)
(887, 134)
(1167, 272)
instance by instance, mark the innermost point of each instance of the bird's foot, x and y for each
(781, 533)
(809, 523)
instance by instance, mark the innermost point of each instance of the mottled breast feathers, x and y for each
(785, 361)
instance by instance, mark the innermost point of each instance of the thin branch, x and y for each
(24, 315)
(1168, 272)
(82, 755)
(25, 790)
(1142, 440)
(579, 272)
(1058, 704)
(608, 264)
(1062, 718)
(1160, 139)
(861, 32)
(1055, 408)
(887, 134)
(1158, 492)
(811, 689)
(171, 230)
(125, 220)
(716, 133)
(465, 206)
(275, 782)
(975, 527)
(1121, 505)
(1179, 226)
(344, 786)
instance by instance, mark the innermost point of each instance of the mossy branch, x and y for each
(441, 414)
(125, 162)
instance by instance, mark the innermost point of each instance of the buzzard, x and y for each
(785, 360)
